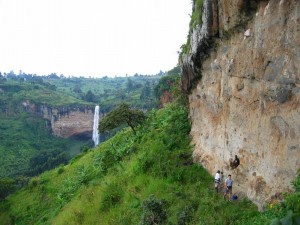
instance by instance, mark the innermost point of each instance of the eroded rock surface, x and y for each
(70, 122)
(247, 102)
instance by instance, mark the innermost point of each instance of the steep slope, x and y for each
(242, 75)
(129, 179)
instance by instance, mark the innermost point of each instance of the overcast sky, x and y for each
(92, 37)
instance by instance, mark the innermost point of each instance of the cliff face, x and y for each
(66, 121)
(244, 93)
(70, 122)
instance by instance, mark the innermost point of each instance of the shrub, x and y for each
(60, 170)
(154, 211)
(67, 191)
(7, 186)
(185, 215)
(34, 182)
(112, 195)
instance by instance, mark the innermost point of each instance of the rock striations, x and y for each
(242, 74)
(76, 122)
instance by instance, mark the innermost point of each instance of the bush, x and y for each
(34, 182)
(7, 186)
(67, 191)
(185, 215)
(84, 174)
(60, 170)
(154, 211)
(112, 195)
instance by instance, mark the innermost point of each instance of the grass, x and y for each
(113, 184)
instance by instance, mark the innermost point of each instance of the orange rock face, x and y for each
(247, 102)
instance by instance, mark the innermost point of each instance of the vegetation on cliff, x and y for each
(196, 19)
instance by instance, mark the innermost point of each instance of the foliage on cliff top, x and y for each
(196, 19)
(14, 92)
(109, 92)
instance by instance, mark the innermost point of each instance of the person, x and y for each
(217, 181)
(228, 186)
(234, 163)
(221, 180)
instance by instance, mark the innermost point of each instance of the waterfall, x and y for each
(95, 126)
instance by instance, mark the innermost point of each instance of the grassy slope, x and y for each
(109, 184)
(112, 183)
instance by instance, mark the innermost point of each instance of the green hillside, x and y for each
(137, 90)
(147, 178)
(23, 134)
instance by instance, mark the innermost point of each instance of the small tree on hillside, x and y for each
(90, 97)
(7, 186)
(122, 115)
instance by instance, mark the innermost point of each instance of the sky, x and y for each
(92, 38)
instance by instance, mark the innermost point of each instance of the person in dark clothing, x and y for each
(235, 163)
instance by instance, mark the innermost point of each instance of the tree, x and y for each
(165, 84)
(7, 186)
(129, 85)
(90, 97)
(146, 91)
(122, 115)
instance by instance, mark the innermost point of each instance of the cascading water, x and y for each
(95, 126)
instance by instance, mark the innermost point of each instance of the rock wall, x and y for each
(65, 121)
(70, 121)
(245, 94)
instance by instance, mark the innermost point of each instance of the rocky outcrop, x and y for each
(76, 122)
(201, 40)
(65, 121)
(247, 102)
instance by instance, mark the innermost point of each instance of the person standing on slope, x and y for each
(217, 181)
(228, 186)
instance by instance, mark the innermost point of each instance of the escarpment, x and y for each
(65, 121)
(242, 73)
(76, 122)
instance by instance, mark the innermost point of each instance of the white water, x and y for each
(95, 126)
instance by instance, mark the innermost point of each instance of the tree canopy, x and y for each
(122, 115)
